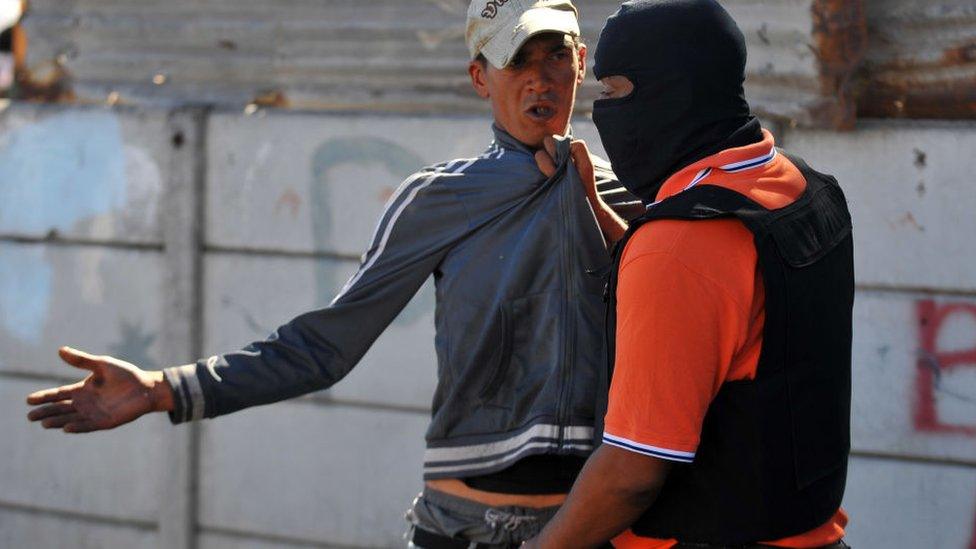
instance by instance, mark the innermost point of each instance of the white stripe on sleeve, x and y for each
(415, 184)
(648, 450)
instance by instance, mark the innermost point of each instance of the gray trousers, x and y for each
(455, 517)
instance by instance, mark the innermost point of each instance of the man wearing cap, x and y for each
(728, 421)
(519, 313)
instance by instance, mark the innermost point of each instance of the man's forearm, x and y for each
(615, 487)
(612, 225)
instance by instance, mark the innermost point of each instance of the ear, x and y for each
(479, 78)
(581, 58)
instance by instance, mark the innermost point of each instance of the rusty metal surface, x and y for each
(921, 62)
(409, 56)
(840, 38)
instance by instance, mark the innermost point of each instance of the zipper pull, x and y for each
(599, 272)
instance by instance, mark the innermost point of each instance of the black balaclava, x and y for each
(687, 61)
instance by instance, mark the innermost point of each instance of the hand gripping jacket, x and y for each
(772, 461)
(519, 320)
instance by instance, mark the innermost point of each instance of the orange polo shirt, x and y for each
(690, 313)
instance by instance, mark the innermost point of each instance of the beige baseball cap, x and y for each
(498, 28)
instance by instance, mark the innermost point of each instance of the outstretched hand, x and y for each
(611, 224)
(114, 393)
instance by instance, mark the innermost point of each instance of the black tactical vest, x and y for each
(772, 461)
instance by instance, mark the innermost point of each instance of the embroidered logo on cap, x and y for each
(491, 8)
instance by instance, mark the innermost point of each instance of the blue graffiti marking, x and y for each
(59, 171)
(25, 291)
(359, 151)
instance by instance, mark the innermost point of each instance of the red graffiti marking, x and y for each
(289, 199)
(972, 543)
(933, 363)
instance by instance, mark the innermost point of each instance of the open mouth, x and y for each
(541, 111)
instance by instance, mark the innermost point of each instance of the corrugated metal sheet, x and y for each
(400, 55)
(922, 59)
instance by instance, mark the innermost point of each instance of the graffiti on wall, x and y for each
(54, 173)
(972, 542)
(70, 173)
(59, 171)
(25, 291)
(362, 152)
(947, 347)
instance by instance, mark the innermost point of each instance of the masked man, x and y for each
(519, 318)
(729, 408)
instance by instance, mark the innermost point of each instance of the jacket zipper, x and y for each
(569, 327)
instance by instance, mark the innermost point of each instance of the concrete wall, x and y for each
(92, 255)
(162, 236)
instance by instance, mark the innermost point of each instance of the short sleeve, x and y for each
(679, 328)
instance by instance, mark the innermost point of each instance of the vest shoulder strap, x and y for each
(803, 231)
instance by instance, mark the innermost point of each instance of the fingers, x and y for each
(56, 394)
(545, 163)
(550, 145)
(79, 359)
(51, 410)
(56, 416)
(59, 422)
(581, 157)
(544, 158)
(81, 426)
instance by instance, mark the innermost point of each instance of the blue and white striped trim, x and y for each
(402, 198)
(499, 152)
(752, 163)
(648, 450)
(474, 459)
(190, 405)
(698, 179)
(734, 167)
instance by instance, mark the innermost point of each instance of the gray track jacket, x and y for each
(519, 313)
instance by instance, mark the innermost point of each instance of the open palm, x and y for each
(114, 393)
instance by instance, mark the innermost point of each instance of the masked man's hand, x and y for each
(612, 226)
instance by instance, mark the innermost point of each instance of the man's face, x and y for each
(533, 96)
